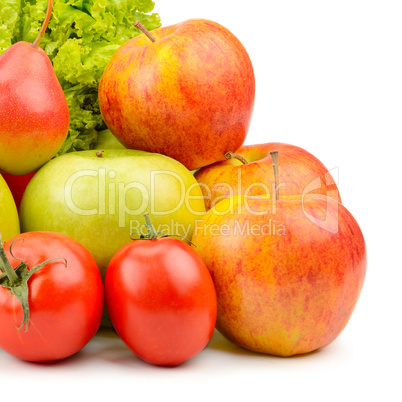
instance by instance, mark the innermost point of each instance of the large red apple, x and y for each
(287, 275)
(300, 172)
(188, 95)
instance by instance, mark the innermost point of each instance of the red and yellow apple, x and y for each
(188, 95)
(287, 274)
(299, 171)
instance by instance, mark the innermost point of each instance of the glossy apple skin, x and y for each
(83, 196)
(34, 116)
(288, 292)
(297, 169)
(189, 95)
(106, 140)
(101, 201)
(9, 221)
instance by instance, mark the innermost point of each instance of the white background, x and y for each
(328, 77)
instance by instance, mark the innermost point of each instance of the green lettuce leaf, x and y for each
(81, 38)
(9, 23)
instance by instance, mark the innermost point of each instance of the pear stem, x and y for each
(42, 31)
(231, 155)
(275, 157)
(144, 30)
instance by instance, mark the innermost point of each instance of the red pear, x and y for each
(34, 116)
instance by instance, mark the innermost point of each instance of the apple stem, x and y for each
(231, 155)
(275, 157)
(144, 30)
(42, 31)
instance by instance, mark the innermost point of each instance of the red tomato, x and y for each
(65, 302)
(161, 300)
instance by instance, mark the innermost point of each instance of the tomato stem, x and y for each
(151, 232)
(6, 267)
(16, 280)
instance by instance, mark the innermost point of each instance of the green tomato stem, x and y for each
(16, 281)
(152, 234)
(6, 267)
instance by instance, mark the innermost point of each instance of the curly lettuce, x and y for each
(81, 38)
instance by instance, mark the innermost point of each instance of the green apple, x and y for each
(106, 140)
(9, 222)
(99, 199)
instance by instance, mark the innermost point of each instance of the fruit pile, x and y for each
(169, 227)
